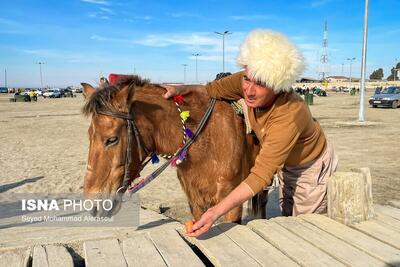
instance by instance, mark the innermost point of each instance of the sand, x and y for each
(44, 145)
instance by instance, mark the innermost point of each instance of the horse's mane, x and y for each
(101, 99)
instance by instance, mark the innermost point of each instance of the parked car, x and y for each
(388, 97)
(4, 90)
(52, 93)
(77, 90)
(68, 93)
(39, 92)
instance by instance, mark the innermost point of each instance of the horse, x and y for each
(218, 161)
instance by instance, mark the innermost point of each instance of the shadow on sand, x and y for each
(6, 187)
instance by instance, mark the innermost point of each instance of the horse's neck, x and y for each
(159, 123)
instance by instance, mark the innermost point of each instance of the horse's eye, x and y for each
(111, 141)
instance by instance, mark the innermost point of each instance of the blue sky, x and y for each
(81, 40)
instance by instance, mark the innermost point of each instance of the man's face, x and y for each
(256, 95)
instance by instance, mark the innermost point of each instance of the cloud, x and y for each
(209, 45)
(98, 15)
(57, 55)
(97, 2)
(11, 27)
(107, 10)
(8, 22)
(136, 18)
(253, 17)
(110, 39)
(185, 15)
(163, 40)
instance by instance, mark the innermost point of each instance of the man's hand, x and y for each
(235, 198)
(171, 91)
(204, 224)
(174, 90)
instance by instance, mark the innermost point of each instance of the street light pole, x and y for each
(196, 55)
(184, 73)
(5, 78)
(351, 61)
(41, 77)
(363, 64)
(223, 47)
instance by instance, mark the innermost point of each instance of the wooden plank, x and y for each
(333, 246)
(140, 251)
(173, 248)
(105, 252)
(15, 258)
(39, 257)
(380, 232)
(362, 241)
(389, 211)
(221, 250)
(388, 221)
(255, 246)
(52, 256)
(291, 245)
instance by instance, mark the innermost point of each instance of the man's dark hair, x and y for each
(222, 75)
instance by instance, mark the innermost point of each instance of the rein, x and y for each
(172, 159)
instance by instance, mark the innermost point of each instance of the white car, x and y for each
(52, 93)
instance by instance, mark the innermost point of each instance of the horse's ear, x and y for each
(88, 90)
(126, 95)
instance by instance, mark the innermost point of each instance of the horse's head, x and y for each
(108, 136)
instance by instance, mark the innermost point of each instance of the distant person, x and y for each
(378, 90)
(103, 82)
(32, 94)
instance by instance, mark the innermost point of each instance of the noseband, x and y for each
(128, 160)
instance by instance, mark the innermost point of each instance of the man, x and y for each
(293, 144)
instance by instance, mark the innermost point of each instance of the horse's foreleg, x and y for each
(223, 189)
(196, 211)
(234, 215)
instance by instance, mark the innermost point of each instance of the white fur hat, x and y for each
(272, 59)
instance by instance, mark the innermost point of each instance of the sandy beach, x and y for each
(44, 145)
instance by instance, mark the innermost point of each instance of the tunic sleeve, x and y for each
(229, 88)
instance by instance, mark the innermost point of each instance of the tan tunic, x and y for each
(288, 134)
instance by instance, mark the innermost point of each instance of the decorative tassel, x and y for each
(178, 99)
(185, 115)
(188, 133)
(183, 154)
(181, 157)
(154, 158)
(173, 162)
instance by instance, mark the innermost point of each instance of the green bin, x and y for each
(309, 99)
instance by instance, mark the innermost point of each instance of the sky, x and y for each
(82, 40)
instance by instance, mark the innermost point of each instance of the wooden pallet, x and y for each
(306, 240)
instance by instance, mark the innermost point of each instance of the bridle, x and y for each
(140, 146)
(128, 159)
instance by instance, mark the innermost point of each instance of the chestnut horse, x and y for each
(218, 160)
